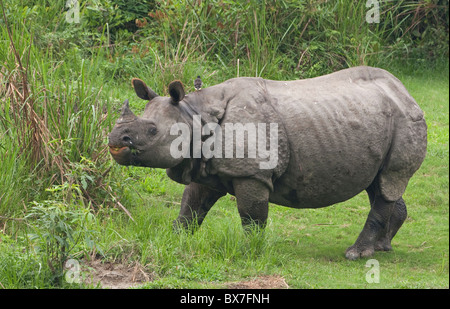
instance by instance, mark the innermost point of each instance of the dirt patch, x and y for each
(115, 275)
(262, 282)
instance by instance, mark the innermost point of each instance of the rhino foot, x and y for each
(383, 244)
(355, 252)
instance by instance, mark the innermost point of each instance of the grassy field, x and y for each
(300, 248)
(70, 217)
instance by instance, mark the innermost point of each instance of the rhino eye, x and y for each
(152, 130)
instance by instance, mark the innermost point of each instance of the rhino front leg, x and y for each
(196, 202)
(252, 200)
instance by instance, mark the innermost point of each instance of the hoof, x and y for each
(354, 253)
(178, 226)
(383, 245)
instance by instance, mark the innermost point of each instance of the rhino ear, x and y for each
(176, 91)
(142, 90)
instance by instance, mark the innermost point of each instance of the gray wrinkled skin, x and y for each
(353, 130)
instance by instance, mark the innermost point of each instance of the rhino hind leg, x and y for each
(384, 220)
(396, 220)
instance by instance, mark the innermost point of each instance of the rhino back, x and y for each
(340, 129)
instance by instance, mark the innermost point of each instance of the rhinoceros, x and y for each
(329, 138)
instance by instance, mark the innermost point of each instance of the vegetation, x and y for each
(62, 83)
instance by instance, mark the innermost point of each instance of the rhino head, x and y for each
(145, 140)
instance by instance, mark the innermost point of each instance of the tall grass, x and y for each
(50, 116)
(288, 40)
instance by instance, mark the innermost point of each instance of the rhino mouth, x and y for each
(117, 149)
(124, 155)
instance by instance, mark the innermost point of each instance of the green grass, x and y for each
(305, 247)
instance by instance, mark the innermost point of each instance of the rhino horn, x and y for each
(127, 115)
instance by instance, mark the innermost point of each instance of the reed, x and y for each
(50, 116)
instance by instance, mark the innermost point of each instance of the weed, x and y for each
(58, 227)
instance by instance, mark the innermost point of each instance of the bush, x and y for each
(59, 227)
